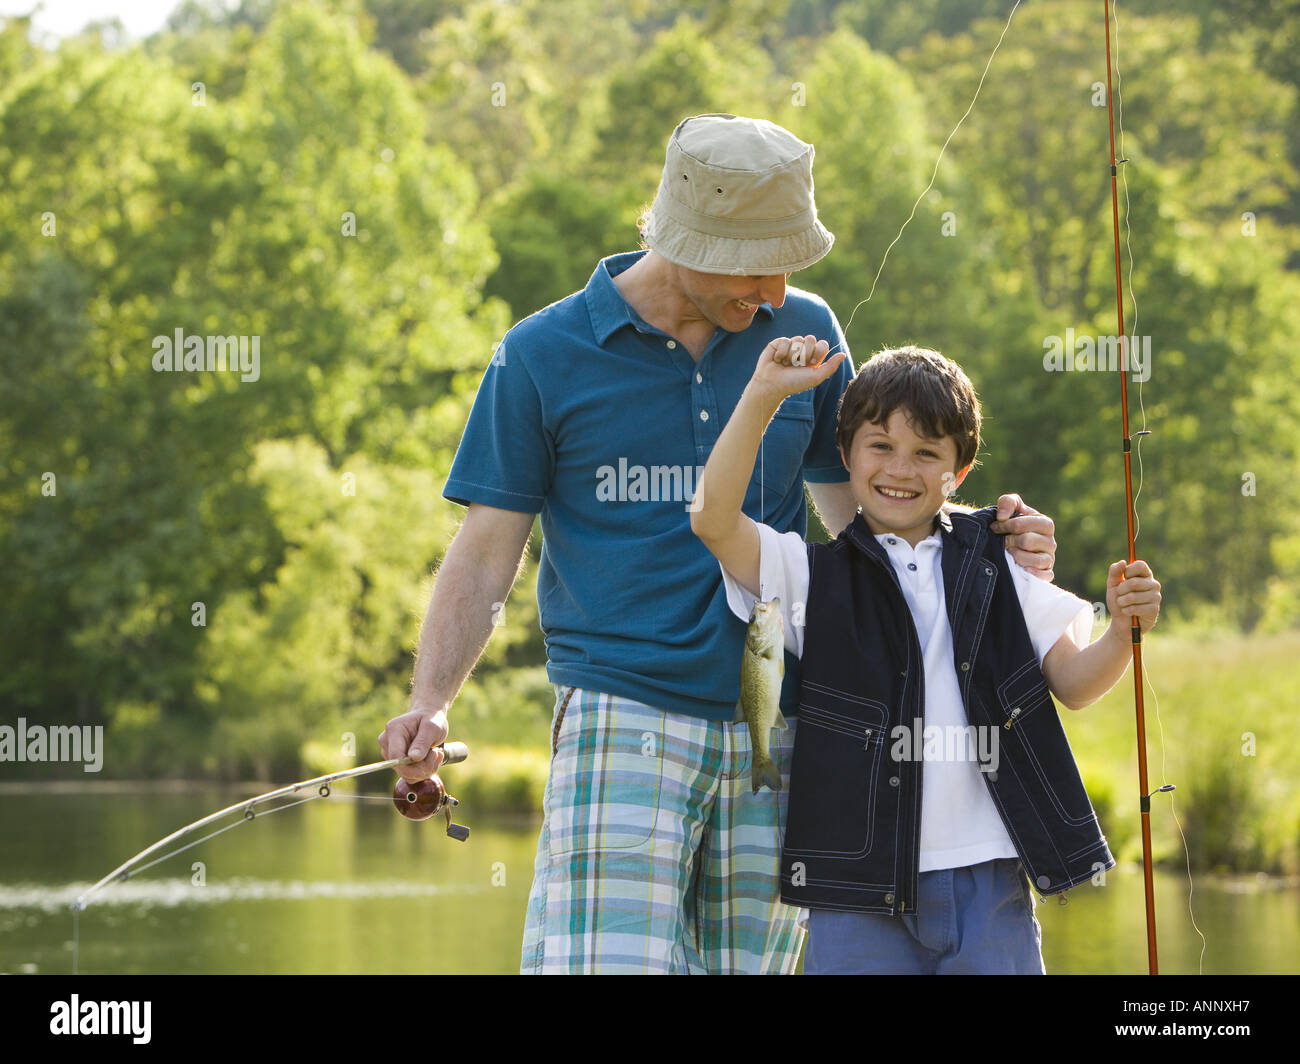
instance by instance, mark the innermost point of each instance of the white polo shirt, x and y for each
(960, 825)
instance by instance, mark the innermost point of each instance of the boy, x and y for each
(918, 636)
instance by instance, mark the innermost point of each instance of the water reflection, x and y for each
(342, 886)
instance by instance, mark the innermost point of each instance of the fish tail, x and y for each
(764, 773)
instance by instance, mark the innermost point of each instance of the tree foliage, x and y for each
(376, 191)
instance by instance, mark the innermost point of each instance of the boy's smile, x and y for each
(899, 477)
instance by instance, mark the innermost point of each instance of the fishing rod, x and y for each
(1144, 795)
(415, 801)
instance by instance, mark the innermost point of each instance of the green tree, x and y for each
(308, 212)
(1202, 148)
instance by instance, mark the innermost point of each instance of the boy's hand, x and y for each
(793, 364)
(1133, 591)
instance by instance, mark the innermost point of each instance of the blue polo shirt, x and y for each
(602, 423)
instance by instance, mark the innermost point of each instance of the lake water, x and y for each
(344, 885)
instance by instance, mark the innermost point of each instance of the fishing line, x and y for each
(1191, 886)
(762, 491)
(1137, 527)
(1132, 295)
(933, 176)
(428, 797)
(76, 912)
(364, 797)
(220, 831)
(884, 258)
(243, 820)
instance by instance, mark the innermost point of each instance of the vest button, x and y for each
(1044, 882)
(965, 666)
(893, 781)
(889, 899)
(988, 571)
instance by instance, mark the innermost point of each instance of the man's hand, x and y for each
(1030, 537)
(418, 734)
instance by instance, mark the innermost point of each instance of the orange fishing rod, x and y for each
(1144, 795)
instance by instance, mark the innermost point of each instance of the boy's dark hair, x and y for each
(932, 390)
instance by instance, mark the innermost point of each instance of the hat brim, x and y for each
(748, 257)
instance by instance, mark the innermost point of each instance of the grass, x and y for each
(1230, 736)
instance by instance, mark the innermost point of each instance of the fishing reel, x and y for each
(428, 798)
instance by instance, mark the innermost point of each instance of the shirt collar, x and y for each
(931, 541)
(607, 308)
(942, 523)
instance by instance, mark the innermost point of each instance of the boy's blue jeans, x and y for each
(977, 920)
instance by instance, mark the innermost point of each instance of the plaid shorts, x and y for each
(654, 854)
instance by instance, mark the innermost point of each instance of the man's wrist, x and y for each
(429, 706)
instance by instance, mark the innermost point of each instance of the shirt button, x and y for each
(699, 379)
(912, 566)
(672, 344)
(891, 541)
(704, 415)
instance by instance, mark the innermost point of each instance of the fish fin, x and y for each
(765, 774)
(780, 721)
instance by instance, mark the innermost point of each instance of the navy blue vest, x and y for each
(853, 825)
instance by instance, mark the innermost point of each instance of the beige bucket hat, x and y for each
(736, 197)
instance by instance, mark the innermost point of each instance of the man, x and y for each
(598, 412)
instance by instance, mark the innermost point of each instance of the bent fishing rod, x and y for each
(415, 801)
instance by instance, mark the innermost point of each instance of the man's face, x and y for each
(730, 301)
(898, 477)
